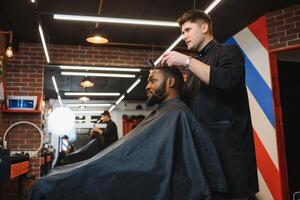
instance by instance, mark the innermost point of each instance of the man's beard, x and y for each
(158, 96)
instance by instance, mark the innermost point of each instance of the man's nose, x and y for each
(184, 36)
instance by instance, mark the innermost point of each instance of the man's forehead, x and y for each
(188, 24)
(154, 72)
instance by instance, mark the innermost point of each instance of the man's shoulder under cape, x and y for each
(85, 152)
(168, 156)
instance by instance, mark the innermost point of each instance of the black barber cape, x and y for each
(167, 156)
(85, 152)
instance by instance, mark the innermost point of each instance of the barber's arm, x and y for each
(230, 72)
(98, 130)
(200, 69)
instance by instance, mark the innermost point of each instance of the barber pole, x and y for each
(254, 44)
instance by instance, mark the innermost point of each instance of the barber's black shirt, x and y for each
(110, 133)
(222, 106)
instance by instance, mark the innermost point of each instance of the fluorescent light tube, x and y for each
(98, 74)
(91, 94)
(133, 85)
(88, 111)
(211, 6)
(89, 104)
(59, 100)
(120, 69)
(120, 99)
(55, 85)
(115, 20)
(44, 44)
(111, 108)
(169, 49)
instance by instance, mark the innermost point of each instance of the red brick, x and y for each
(79, 52)
(287, 38)
(280, 45)
(86, 56)
(92, 52)
(285, 15)
(293, 31)
(276, 35)
(30, 62)
(72, 55)
(65, 51)
(292, 19)
(285, 27)
(38, 58)
(293, 42)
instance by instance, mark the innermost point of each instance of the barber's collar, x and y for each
(207, 47)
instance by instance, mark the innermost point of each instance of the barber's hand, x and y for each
(173, 58)
(98, 130)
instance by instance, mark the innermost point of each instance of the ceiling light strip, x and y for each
(133, 85)
(111, 108)
(115, 20)
(57, 91)
(212, 6)
(55, 85)
(168, 49)
(98, 74)
(91, 94)
(120, 69)
(120, 99)
(59, 100)
(88, 111)
(89, 105)
(44, 43)
(123, 96)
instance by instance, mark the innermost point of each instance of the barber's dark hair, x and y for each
(106, 112)
(193, 16)
(175, 73)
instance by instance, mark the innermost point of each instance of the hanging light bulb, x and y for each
(84, 98)
(97, 38)
(86, 82)
(9, 52)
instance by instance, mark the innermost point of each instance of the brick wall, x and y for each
(24, 76)
(284, 28)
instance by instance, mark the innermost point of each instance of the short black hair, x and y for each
(175, 73)
(195, 15)
(65, 137)
(106, 112)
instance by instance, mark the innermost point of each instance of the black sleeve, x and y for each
(229, 73)
(110, 133)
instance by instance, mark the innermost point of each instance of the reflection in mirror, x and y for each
(87, 113)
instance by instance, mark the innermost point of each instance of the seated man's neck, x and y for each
(170, 97)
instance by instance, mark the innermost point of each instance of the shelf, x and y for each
(38, 110)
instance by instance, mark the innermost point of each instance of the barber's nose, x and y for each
(184, 36)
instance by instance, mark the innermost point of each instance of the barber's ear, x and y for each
(204, 28)
(171, 82)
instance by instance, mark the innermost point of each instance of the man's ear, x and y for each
(171, 82)
(204, 28)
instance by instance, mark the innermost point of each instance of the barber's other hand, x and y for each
(98, 130)
(174, 58)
